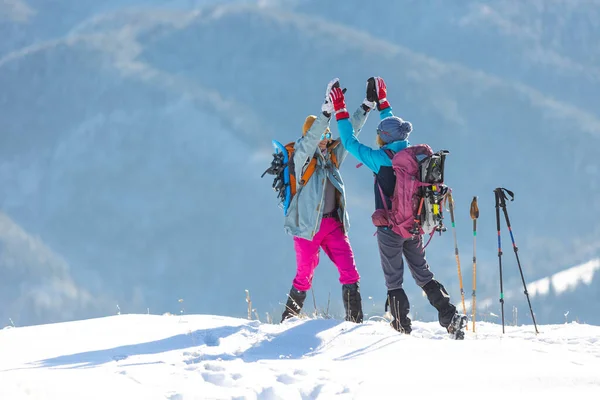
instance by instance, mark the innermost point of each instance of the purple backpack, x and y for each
(417, 195)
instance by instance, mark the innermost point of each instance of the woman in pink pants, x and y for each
(317, 216)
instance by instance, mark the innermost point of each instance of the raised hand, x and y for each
(381, 92)
(336, 96)
(369, 102)
(327, 106)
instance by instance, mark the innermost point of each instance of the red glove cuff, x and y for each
(342, 114)
(383, 104)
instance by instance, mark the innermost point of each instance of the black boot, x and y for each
(352, 302)
(440, 299)
(294, 303)
(457, 326)
(399, 308)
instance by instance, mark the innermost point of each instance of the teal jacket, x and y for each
(305, 214)
(374, 159)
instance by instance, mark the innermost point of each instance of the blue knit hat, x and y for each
(392, 129)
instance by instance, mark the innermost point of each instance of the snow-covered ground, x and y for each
(212, 357)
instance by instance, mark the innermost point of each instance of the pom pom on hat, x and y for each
(392, 129)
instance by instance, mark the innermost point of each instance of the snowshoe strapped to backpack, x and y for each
(433, 194)
(417, 201)
(283, 168)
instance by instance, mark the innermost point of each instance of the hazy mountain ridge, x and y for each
(549, 45)
(45, 286)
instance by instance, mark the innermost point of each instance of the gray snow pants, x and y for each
(391, 249)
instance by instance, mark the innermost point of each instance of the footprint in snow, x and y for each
(286, 379)
(213, 367)
(218, 379)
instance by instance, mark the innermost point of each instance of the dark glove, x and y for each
(371, 90)
(369, 102)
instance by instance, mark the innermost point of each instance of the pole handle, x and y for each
(501, 196)
(474, 208)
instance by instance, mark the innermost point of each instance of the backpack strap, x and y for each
(332, 146)
(334, 160)
(310, 169)
(427, 244)
(383, 197)
(383, 200)
(390, 154)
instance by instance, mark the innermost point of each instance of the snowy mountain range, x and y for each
(133, 135)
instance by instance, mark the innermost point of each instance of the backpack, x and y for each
(283, 168)
(419, 193)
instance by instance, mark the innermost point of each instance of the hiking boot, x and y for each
(440, 299)
(294, 303)
(399, 308)
(457, 326)
(395, 324)
(352, 302)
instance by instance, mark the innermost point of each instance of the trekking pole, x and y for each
(498, 193)
(462, 292)
(502, 193)
(474, 215)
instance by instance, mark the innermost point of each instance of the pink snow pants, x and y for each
(335, 243)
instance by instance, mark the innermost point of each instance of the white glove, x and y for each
(369, 104)
(327, 106)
